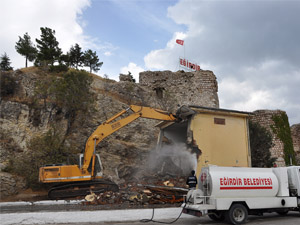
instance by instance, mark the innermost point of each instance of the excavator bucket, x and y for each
(184, 112)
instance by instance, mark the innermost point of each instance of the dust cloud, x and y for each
(175, 159)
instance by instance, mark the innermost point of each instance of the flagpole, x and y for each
(181, 42)
(184, 51)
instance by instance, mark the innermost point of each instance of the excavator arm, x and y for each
(78, 180)
(112, 125)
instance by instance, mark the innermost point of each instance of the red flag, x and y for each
(180, 42)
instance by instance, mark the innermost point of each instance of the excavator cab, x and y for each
(98, 165)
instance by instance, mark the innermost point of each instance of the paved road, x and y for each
(293, 218)
(268, 219)
(60, 213)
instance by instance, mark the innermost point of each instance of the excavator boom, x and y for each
(109, 127)
(79, 179)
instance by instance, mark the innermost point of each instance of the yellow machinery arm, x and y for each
(85, 172)
(78, 180)
(109, 127)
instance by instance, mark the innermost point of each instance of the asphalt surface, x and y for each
(292, 218)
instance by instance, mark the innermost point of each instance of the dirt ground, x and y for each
(27, 195)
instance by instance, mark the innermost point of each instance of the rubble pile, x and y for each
(143, 193)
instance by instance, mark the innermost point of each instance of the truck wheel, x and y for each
(237, 214)
(217, 216)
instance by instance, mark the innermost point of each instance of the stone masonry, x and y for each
(295, 130)
(186, 88)
(124, 77)
(264, 118)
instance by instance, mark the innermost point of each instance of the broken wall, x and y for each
(183, 88)
(212, 137)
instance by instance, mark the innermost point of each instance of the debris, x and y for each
(167, 194)
(91, 197)
(146, 191)
(150, 190)
(133, 197)
(168, 183)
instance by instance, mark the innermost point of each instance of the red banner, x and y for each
(180, 42)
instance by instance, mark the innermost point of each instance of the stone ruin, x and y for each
(186, 88)
(126, 77)
(295, 130)
(264, 118)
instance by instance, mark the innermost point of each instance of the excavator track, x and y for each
(76, 189)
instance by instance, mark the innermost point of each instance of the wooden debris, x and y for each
(143, 193)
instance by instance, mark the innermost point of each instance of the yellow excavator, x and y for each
(79, 180)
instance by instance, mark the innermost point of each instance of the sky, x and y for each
(252, 46)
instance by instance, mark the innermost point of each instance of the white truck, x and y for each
(233, 193)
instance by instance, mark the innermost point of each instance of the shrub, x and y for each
(72, 92)
(8, 84)
(282, 130)
(58, 68)
(48, 148)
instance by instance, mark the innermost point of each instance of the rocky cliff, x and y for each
(123, 153)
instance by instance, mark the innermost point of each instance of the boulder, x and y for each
(10, 184)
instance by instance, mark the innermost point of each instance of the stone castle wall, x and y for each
(295, 130)
(186, 88)
(264, 118)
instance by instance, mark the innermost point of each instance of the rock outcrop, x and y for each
(10, 184)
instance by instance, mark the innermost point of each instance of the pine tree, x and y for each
(26, 48)
(65, 59)
(91, 60)
(5, 63)
(76, 58)
(48, 48)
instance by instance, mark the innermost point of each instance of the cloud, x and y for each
(147, 12)
(107, 53)
(19, 17)
(252, 47)
(134, 69)
(163, 59)
(270, 85)
(244, 95)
